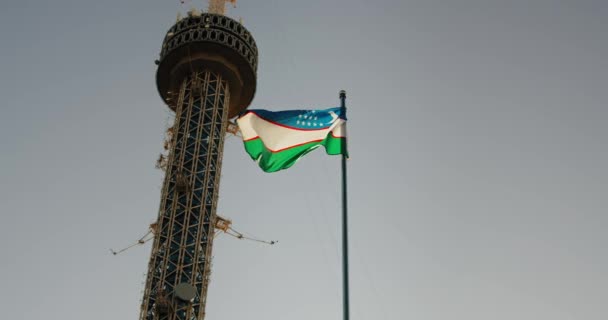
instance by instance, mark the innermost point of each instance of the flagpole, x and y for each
(345, 293)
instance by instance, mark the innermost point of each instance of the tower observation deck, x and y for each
(206, 75)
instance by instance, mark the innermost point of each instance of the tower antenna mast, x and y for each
(219, 6)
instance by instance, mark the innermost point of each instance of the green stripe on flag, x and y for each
(271, 161)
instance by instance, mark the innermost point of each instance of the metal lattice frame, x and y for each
(182, 246)
(213, 28)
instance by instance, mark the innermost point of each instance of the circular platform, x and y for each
(214, 42)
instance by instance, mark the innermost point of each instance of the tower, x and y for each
(206, 75)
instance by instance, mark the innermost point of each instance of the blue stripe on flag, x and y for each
(302, 119)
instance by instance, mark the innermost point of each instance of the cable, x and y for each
(139, 242)
(239, 235)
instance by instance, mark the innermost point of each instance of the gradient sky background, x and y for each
(478, 179)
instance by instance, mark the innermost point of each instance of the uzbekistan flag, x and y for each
(277, 140)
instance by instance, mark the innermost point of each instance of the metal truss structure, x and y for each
(181, 252)
(206, 74)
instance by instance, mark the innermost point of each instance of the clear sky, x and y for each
(478, 179)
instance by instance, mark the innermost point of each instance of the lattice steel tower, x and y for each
(207, 75)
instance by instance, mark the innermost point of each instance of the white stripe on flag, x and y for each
(276, 137)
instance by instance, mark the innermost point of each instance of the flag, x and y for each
(277, 140)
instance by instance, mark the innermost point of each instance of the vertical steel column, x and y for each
(345, 281)
(181, 253)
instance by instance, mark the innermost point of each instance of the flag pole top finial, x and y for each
(342, 94)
